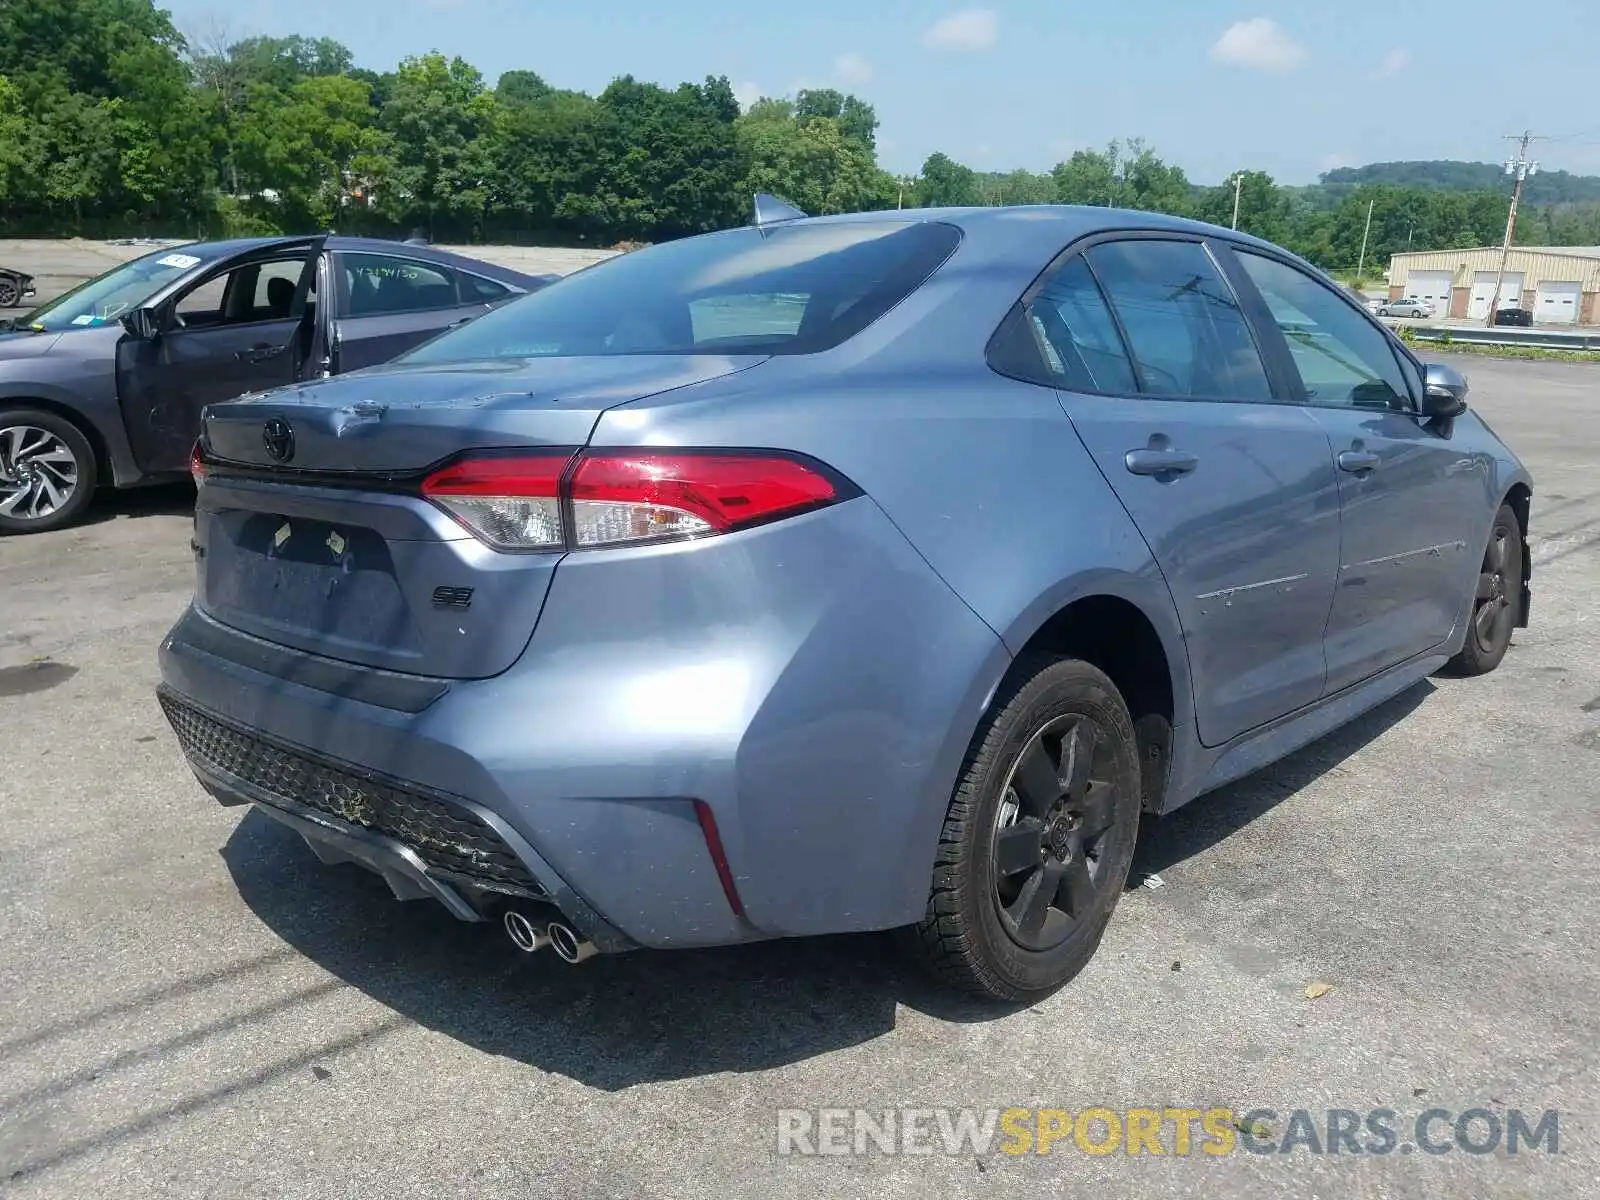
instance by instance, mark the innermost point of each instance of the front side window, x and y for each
(1342, 357)
(384, 283)
(252, 291)
(1183, 326)
(791, 289)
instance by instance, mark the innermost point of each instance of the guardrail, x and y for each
(1501, 335)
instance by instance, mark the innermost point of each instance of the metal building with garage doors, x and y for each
(1559, 284)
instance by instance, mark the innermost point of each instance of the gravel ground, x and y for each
(194, 1007)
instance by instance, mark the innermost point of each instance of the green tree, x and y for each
(1264, 209)
(308, 146)
(819, 163)
(1126, 175)
(14, 165)
(1088, 177)
(669, 161)
(857, 119)
(544, 163)
(945, 183)
(1149, 184)
(520, 87)
(285, 62)
(434, 117)
(1016, 187)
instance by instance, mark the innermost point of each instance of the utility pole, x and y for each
(1361, 264)
(1238, 187)
(1521, 168)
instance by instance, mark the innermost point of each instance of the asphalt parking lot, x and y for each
(194, 1007)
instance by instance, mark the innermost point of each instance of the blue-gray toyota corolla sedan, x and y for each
(834, 574)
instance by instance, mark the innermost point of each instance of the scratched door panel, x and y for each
(1413, 533)
(1248, 541)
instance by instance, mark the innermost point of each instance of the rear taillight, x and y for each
(513, 502)
(545, 501)
(198, 470)
(631, 497)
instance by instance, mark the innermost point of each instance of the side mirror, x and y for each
(141, 323)
(1444, 392)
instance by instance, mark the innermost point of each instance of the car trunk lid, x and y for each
(310, 531)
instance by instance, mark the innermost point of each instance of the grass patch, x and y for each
(1449, 345)
(1530, 352)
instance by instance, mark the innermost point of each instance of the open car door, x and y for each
(246, 325)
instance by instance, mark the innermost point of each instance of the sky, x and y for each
(1215, 86)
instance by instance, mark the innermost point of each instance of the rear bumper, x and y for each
(425, 846)
(813, 683)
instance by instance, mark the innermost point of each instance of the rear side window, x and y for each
(1183, 326)
(383, 283)
(1342, 357)
(1077, 333)
(487, 291)
(789, 289)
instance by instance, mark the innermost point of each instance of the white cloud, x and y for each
(1259, 44)
(1393, 63)
(968, 30)
(747, 92)
(852, 68)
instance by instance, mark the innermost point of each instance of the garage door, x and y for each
(1483, 292)
(1432, 286)
(1557, 303)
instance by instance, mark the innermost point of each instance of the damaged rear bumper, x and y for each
(424, 846)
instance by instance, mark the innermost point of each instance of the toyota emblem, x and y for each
(278, 435)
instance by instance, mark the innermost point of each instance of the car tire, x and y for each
(1024, 881)
(10, 293)
(1497, 599)
(34, 442)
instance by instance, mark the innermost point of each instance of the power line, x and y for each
(1521, 167)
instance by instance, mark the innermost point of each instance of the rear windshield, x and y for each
(796, 289)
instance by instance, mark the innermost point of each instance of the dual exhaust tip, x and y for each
(530, 935)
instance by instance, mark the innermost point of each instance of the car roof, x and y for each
(1076, 220)
(1014, 234)
(211, 251)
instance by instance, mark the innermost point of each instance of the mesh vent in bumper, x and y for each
(452, 840)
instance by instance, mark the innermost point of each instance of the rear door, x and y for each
(241, 327)
(1413, 499)
(1231, 485)
(388, 303)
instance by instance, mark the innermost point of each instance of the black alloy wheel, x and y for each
(1038, 836)
(1050, 830)
(1497, 601)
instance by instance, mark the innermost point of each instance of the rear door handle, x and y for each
(1160, 462)
(1356, 461)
